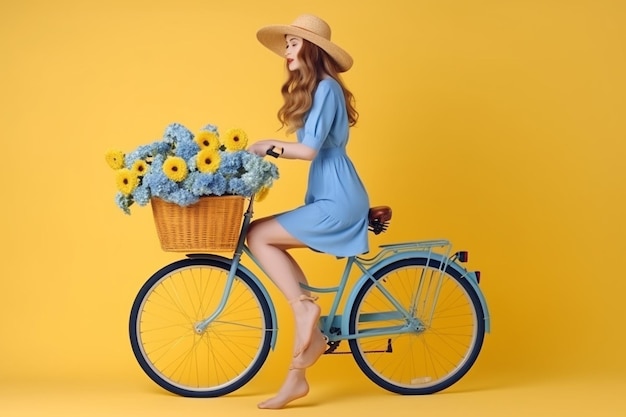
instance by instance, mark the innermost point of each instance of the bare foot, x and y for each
(306, 314)
(294, 387)
(311, 354)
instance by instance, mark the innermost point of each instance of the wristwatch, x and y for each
(272, 152)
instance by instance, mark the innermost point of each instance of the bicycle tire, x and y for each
(223, 358)
(429, 359)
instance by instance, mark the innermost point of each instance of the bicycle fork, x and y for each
(202, 325)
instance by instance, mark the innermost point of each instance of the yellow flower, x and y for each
(261, 194)
(208, 160)
(235, 139)
(175, 168)
(115, 159)
(140, 167)
(126, 180)
(207, 140)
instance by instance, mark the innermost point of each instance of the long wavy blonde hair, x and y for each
(298, 90)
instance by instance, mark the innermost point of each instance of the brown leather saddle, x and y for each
(379, 218)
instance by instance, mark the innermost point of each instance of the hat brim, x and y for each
(273, 38)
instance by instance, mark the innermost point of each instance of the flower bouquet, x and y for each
(192, 182)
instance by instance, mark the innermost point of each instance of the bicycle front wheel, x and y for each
(211, 363)
(433, 346)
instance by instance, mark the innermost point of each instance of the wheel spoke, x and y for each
(215, 362)
(428, 359)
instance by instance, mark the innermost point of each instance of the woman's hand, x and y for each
(259, 148)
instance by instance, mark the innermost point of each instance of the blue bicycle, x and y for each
(414, 321)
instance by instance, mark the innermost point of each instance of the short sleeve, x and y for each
(321, 116)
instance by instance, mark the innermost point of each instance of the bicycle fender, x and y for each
(258, 282)
(468, 275)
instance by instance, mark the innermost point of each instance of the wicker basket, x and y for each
(211, 225)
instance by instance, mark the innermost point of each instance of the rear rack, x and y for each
(439, 246)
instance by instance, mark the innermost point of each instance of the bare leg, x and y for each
(311, 354)
(317, 346)
(294, 387)
(269, 242)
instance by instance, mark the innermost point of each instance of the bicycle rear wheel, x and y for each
(217, 361)
(447, 322)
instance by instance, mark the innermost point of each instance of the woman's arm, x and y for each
(290, 150)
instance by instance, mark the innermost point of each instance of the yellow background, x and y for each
(496, 124)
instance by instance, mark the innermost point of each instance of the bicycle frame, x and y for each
(369, 267)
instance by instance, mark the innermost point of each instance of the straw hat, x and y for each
(308, 27)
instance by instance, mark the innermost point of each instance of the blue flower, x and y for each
(160, 147)
(142, 194)
(207, 184)
(258, 172)
(240, 187)
(146, 151)
(141, 152)
(274, 172)
(123, 201)
(192, 163)
(186, 149)
(254, 180)
(232, 162)
(254, 163)
(175, 133)
(211, 128)
(182, 197)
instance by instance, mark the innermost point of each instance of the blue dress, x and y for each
(333, 218)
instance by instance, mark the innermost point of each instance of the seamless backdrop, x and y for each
(496, 124)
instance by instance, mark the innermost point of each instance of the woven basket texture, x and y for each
(211, 225)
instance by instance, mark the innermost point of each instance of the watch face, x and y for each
(271, 152)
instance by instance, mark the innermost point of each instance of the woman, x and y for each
(319, 108)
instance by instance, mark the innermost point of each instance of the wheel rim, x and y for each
(215, 359)
(435, 356)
